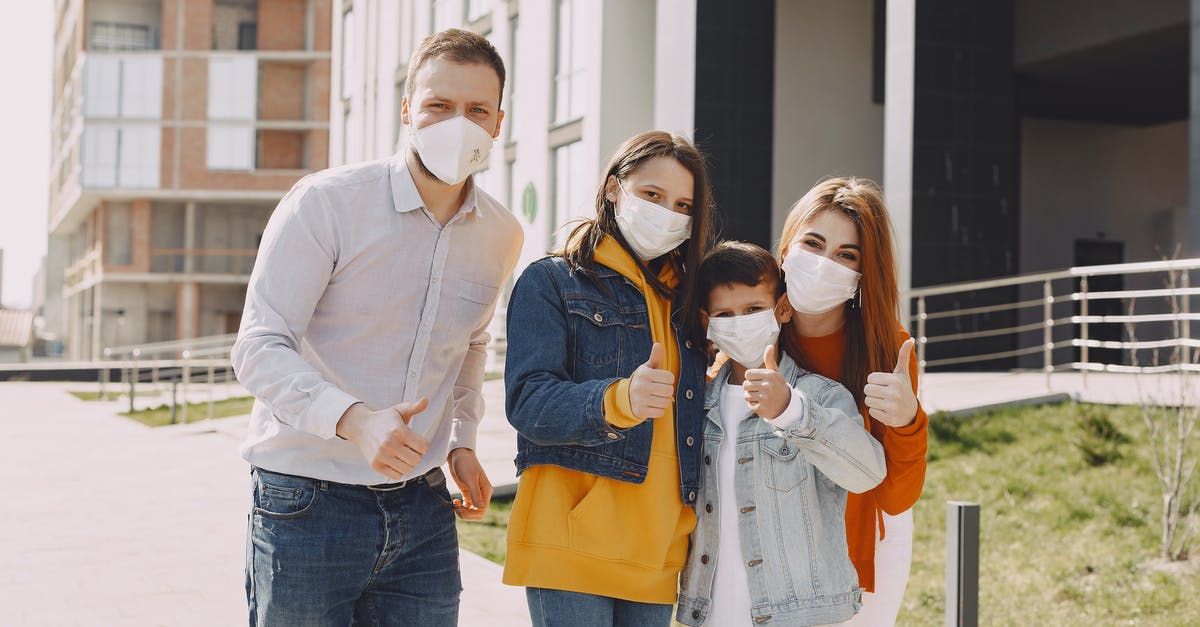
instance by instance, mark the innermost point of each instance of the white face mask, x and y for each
(650, 230)
(452, 149)
(745, 338)
(817, 284)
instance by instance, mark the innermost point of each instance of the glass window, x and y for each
(348, 69)
(571, 190)
(230, 147)
(118, 229)
(568, 79)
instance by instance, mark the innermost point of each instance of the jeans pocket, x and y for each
(283, 497)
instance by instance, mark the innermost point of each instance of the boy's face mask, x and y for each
(745, 338)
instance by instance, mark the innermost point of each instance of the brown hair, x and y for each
(733, 262)
(581, 245)
(459, 46)
(870, 326)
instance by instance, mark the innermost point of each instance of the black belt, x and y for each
(434, 478)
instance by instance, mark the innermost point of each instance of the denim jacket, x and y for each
(569, 339)
(791, 492)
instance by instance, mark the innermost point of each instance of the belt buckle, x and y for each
(389, 487)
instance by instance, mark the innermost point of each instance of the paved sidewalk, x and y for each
(107, 522)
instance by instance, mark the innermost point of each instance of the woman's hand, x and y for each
(889, 395)
(651, 390)
(766, 391)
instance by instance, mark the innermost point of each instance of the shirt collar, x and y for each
(405, 196)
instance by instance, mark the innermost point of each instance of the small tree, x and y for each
(1170, 421)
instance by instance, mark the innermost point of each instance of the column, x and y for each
(898, 135)
(1192, 246)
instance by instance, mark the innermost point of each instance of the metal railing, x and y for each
(1068, 320)
(160, 368)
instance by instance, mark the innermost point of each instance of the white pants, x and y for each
(893, 559)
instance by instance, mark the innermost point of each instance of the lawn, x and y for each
(161, 415)
(1063, 541)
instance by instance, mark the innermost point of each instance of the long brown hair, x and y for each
(581, 245)
(870, 326)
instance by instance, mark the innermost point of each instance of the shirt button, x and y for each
(688, 395)
(708, 508)
(613, 436)
(690, 441)
(703, 559)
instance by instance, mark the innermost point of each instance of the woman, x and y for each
(605, 384)
(837, 257)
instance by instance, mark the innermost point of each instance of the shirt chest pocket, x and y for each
(599, 338)
(783, 466)
(473, 304)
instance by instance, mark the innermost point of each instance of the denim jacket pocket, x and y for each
(783, 470)
(599, 335)
(282, 497)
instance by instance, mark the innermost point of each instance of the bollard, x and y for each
(174, 403)
(962, 564)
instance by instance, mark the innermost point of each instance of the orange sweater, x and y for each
(904, 448)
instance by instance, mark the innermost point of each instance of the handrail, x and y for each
(955, 329)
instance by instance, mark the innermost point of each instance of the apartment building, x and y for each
(177, 126)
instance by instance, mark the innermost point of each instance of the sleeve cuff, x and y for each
(618, 412)
(918, 425)
(795, 412)
(326, 410)
(463, 434)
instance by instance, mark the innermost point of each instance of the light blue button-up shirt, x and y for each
(359, 294)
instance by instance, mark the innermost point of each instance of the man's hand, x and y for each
(651, 389)
(384, 438)
(472, 483)
(889, 395)
(766, 391)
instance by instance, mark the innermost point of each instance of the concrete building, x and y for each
(1010, 136)
(177, 126)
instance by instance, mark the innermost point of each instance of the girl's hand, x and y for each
(889, 395)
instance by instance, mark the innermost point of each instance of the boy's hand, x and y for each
(766, 391)
(651, 389)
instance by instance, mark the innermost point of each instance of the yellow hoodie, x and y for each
(575, 531)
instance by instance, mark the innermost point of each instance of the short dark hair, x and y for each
(459, 46)
(732, 262)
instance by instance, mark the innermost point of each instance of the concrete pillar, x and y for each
(188, 305)
(97, 348)
(674, 53)
(1192, 246)
(898, 136)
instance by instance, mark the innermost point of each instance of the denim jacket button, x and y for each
(613, 436)
(688, 395)
(691, 441)
(691, 496)
(688, 344)
(708, 507)
(707, 460)
(597, 317)
(703, 559)
(695, 613)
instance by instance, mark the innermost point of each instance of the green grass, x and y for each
(1068, 522)
(161, 415)
(486, 537)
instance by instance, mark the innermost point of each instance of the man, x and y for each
(363, 341)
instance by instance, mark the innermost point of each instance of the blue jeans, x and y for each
(555, 608)
(325, 553)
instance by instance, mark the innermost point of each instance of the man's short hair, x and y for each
(732, 262)
(458, 46)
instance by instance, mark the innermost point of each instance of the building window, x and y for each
(477, 9)
(232, 108)
(234, 24)
(443, 15)
(572, 187)
(247, 36)
(568, 74)
(116, 36)
(117, 88)
(348, 66)
(118, 230)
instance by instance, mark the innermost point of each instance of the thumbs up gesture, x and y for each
(889, 395)
(765, 390)
(651, 389)
(384, 437)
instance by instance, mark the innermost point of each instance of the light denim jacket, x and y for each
(791, 490)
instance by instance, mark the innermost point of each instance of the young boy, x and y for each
(781, 448)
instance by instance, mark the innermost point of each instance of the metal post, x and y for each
(1185, 351)
(962, 564)
(187, 377)
(132, 380)
(211, 382)
(1083, 330)
(1048, 331)
(174, 402)
(920, 339)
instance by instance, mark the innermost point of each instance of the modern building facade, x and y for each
(1010, 136)
(177, 126)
